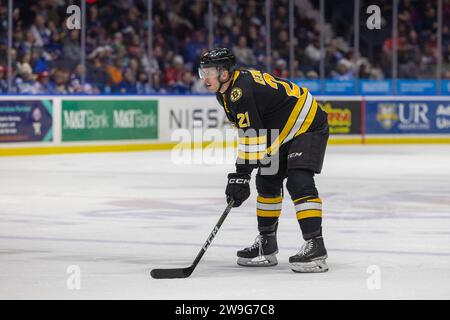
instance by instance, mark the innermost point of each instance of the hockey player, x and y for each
(260, 104)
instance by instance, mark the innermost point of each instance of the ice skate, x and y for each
(311, 257)
(261, 254)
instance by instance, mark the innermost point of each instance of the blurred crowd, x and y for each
(46, 55)
(417, 43)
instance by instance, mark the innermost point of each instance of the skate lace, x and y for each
(306, 248)
(258, 243)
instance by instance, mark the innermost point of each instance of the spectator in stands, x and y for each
(364, 71)
(150, 65)
(446, 57)
(198, 86)
(446, 75)
(332, 56)
(312, 75)
(72, 49)
(173, 74)
(376, 73)
(142, 85)
(97, 74)
(61, 78)
(195, 45)
(45, 86)
(313, 53)
(38, 61)
(40, 32)
(156, 86)
(25, 83)
(3, 81)
(76, 84)
(185, 85)
(244, 55)
(115, 72)
(429, 58)
(116, 41)
(344, 70)
(27, 44)
(54, 47)
(260, 54)
(127, 85)
(298, 74)
(280, 69)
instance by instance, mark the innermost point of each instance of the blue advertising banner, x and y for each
(337, 87)
(375, 87)
(445, 87)
(408, 117)
(28, 120)
(416, 87)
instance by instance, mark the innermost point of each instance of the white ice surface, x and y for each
(118, 215)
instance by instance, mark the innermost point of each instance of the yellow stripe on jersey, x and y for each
(309, 214)
(225, 103)
(235, 76)
(309, 119)
(303, 105)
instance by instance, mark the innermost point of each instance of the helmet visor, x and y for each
(210, 72)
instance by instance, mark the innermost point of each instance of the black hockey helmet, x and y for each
(219, 58)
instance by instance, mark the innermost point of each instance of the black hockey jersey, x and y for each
(269, 112)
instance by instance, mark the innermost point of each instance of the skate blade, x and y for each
(260, 261)
(314, 266)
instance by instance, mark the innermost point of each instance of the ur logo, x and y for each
(387, 115)
(413, 113)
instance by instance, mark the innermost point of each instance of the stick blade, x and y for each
(171, 273)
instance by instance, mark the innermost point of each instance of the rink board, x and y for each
(72, 124)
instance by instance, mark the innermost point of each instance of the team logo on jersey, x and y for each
(236, 94)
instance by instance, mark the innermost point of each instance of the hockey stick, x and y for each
(186, 272)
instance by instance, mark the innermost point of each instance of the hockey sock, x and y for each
(268, 210)
(309, 216)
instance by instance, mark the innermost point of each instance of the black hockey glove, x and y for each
(238, 188)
